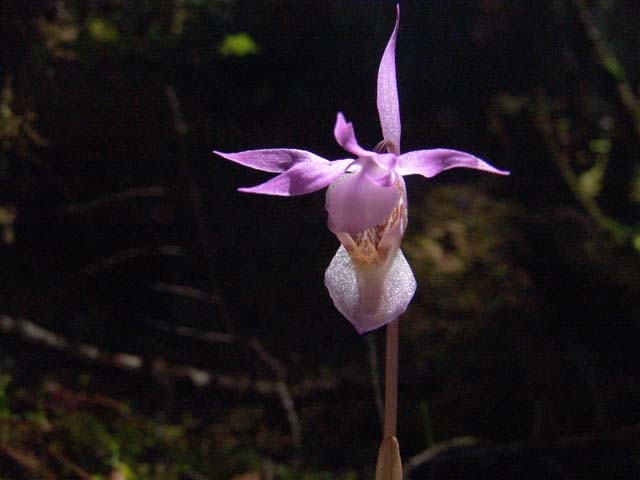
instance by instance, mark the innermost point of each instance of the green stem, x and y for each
(610, 63)
(391, 381)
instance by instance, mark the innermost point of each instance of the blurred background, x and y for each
(157, 324)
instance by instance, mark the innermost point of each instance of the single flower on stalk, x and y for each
(369, 279)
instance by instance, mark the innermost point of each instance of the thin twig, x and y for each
(267, 359)
(176, 110)
(468, 447)
(433, 451)
(193, 333)
(610, 63)
(194, 476)
(114, 198)
(195, 196)
(188, 292)
(128, 254)
(293, 419)
(194, 193)
(61, 395)
(77, 471)
(27, 461)
(541, 117)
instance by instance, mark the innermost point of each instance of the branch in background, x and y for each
(620, 232)
(191, 332)
(27, 461)
(117, 197)
(188, 476)
(176, 110)
(433, 451)
(209, 298)
(188, 292)
(470, 447)
(193, 190)
(610, 63)
(195, 195)
(250, 344)
(213, 337)
(63, 396)
(68, 465)
(284, 395)
(280, 387)
(131, 253)
(30, 332)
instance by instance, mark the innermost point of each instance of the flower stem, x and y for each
(391, 381)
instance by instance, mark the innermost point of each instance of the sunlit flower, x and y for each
(369, 279)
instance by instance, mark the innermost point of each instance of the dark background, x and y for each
(122, 232)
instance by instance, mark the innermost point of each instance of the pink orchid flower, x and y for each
(369, 279)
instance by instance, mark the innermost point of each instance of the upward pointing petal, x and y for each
(388, 105)
(272, 159)
(346, 137)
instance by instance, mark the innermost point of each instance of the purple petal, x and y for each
(429, 163)
(388, 105)
(369, 298)
(380, 168)
(355, 203)
(301, 178)
(272, 159)
(346, 137)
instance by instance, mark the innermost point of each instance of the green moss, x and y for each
(102, 30)
(238, 45)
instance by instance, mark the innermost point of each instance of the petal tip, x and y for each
(250, 190)
(491, 169)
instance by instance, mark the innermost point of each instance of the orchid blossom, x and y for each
(369, 279)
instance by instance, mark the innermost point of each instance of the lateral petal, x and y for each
(346, 137)
(369, 298)
(272, 159)
(429, 163)
(301, 178)
(388, 104)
